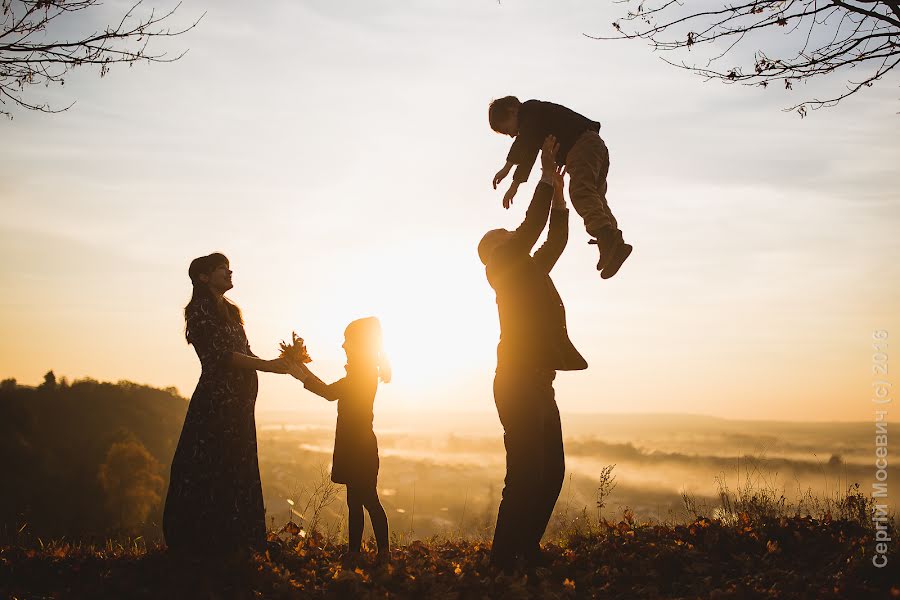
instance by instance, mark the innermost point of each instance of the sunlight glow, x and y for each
(438, 316)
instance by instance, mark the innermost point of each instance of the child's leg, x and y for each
(378, 517)
(356, 520)
(588, 165)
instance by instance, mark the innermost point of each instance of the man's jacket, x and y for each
(532, 316)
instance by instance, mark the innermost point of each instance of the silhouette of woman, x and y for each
(215, 502)
(355, 461)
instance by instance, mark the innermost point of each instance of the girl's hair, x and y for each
(367, 333)
(205, 265)
(500, 109)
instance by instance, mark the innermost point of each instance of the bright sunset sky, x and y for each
(341, 158)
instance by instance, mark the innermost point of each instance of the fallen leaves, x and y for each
(784, 558)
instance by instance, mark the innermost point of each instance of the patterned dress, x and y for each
(215, 497)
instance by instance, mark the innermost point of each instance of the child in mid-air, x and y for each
(355, 462)
(583, 153)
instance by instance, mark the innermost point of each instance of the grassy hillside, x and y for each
(779, 558)
(86, 462)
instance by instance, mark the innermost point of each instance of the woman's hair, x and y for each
(205, 265)
(367, 333)
(500, 109)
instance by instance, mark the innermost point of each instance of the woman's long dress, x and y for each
(215, 501)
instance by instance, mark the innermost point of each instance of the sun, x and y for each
(437, 312)
(440, 329)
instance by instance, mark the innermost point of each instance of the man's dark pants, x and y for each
(535, 463)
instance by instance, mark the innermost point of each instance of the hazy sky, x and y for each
(341, 158)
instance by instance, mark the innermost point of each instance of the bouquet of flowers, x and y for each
(295, 352)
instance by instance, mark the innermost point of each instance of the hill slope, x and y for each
(783, 558)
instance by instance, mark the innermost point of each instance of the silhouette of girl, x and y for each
(355, 462)
(215, 502)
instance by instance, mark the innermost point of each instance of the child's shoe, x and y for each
(383, 558)
(606, 243)
(617, 256)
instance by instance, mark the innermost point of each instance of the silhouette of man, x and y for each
(533, 345)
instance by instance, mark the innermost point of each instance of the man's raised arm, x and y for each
(558, 233)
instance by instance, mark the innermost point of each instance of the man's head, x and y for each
(490, 241)
(503, 115)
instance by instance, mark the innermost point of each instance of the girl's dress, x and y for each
(215, 499)
(355, 461)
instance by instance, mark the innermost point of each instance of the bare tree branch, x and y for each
(817, 38)
(33, 54)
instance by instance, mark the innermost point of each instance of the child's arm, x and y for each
(502, 173)
(523, 153)
(526, 235)
(510, 194)
(315, 385)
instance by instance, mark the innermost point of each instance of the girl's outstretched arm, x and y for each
(330, 392)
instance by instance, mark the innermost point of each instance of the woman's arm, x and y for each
(208, 334)
(244, 361)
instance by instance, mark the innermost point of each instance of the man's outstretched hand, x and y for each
(548, 154)
(559, 201)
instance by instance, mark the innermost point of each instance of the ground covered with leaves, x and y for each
(780, 558)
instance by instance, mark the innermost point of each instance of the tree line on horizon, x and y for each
(86, 458)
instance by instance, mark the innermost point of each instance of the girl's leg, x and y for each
(355, 520)
(378, 518)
